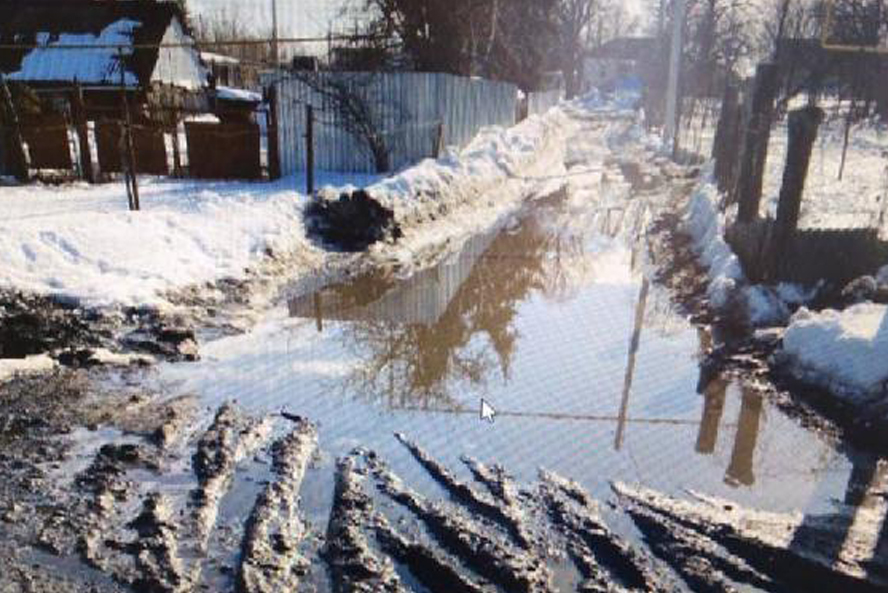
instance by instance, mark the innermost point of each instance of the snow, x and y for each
(706, 225)
(847, 350)
(233, 94)
(81, 242)
(10, 367)
(86, 65)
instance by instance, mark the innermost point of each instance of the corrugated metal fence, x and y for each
(540, 102)
(407, 109)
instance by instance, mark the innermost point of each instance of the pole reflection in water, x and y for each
(740, 470)
(713, 407)
(634, 342)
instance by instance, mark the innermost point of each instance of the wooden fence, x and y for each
(413, 112)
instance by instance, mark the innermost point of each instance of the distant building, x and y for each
(619, 59)
(231, 72)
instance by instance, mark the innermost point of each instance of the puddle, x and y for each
(591, 371)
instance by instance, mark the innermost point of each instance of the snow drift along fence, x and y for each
(408, 110)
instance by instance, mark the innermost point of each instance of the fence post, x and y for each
(13, 138)
(309, 150)
(82, 127)
(755, 144)
(726, 137)
(271, 123)
(128, 159)
(439, 139)
(803, 126)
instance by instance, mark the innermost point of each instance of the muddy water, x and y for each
(551, 320)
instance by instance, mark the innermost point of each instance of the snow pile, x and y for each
(440, 202)
(706, 225)
(844, 350)
(496, 154)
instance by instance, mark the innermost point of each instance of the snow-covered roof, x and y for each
(99, 64)
(79, 40)
(232, 94)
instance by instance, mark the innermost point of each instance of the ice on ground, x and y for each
(847, 350)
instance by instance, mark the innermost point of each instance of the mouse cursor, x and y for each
(487, 411)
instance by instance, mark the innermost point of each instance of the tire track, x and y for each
(353, 565)
(478, 548)
(503, 515)
(270, 560)
(591, 544)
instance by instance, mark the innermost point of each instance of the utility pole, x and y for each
(275, 56)
(671, 126)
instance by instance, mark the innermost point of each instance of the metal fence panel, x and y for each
(407, 109)
(540, 102)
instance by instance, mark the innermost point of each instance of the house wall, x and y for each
(178, 66)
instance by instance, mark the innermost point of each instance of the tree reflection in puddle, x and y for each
(452, 328)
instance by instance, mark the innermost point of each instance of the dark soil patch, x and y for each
(353, 222)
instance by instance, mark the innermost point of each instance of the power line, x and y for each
(192, 44)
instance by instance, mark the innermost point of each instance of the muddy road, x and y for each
(337, 446)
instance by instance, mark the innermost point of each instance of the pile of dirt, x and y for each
(353, 222)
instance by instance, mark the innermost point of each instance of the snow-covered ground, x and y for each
(80, 242)
(858, 199)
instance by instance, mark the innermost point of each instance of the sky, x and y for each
(306, 18)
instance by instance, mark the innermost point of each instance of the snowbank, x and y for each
(706, 226)
(844, 350)
(441, 202)
(433, 187)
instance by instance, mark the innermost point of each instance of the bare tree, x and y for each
(574, 20)
(352, 101)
